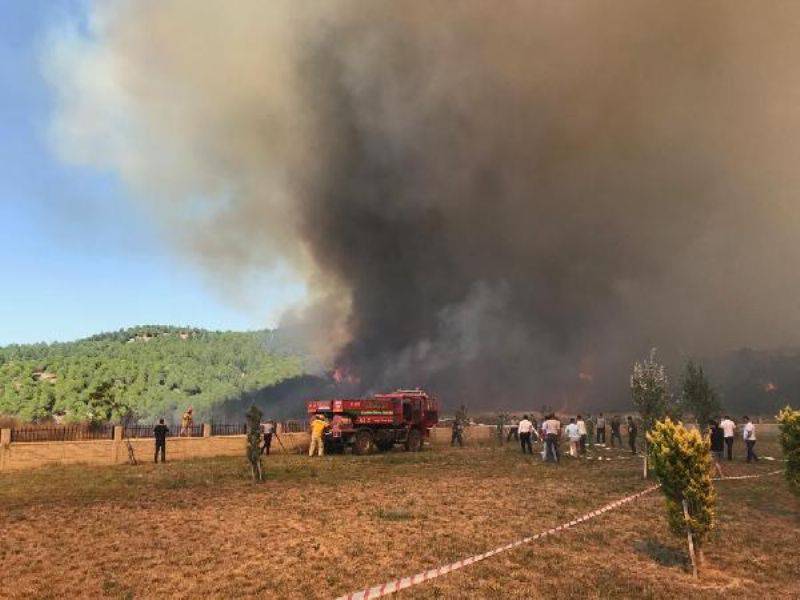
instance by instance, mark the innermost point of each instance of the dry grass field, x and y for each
(323, 527)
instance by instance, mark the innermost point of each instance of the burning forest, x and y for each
(501, 202)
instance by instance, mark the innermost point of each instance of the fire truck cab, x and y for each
(379, 422)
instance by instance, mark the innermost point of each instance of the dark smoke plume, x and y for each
(507, 202)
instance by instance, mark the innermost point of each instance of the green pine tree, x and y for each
(650, 395)
(681, 459)
(789, 421)
(698, 396)
(650, 390)
(253, 442)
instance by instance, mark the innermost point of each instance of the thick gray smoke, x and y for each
(508, 202)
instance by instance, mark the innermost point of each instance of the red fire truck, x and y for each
(366, 424)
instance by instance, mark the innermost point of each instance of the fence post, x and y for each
(206, 429)
(117, 433)
(5, 443)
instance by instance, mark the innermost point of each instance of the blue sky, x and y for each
(77, 255)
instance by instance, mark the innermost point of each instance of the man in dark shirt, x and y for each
(632, 431)
(717, 440)
(267, 429)
(615, 434)
(717, 436)
(160, 432)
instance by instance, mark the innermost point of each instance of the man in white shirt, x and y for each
(729, 429)
(749, 435)
(552, 430)
(574, 436)
(582, 431)
(524, 429)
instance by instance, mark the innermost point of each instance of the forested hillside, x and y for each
(147, 371)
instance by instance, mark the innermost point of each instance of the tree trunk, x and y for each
(695, 557)
(256, 468)
(644, 465)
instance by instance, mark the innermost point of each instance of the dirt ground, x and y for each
(324, 527)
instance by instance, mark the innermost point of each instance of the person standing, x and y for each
(318, 427)
(267, 429)
(513, 429)
(524, 428)
(457, 434)
(187, 422)
(749, 435)
(717, 438)
(160, 432)
(502, 419)
(591, 428)
(552, 429)
(615, 434)
(632, 432)
(574, 436)
(601, 429)
(543, 435)
(728, 430)
(582, 431)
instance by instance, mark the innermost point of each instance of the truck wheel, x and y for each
(414, 441)
(364, 444)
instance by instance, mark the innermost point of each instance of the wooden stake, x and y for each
(131, 454)
(689, 539)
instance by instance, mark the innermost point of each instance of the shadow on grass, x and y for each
(666, 556)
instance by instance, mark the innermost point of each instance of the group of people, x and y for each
(723, 433)
(576, 432)
(550, 431)
(161, 431)
(615, 424)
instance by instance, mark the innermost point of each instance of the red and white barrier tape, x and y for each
(747, 476)
(401, 583)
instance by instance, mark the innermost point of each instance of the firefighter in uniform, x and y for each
(318, 427)
(187, 422)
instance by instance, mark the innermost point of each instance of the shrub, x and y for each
(682, 462)
(789, 421)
